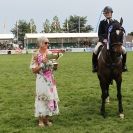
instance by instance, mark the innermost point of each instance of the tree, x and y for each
(55, 26)
(131, 33)
(46, 26)
(66, 26)
(21, 27)
(32, 26)
(76, 24)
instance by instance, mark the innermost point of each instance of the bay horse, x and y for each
(110, 65)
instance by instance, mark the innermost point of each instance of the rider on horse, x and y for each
(102, 34)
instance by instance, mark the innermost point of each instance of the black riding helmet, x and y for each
(107, 9)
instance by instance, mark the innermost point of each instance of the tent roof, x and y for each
(6, 36)
(61, 35)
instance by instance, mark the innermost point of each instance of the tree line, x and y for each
(74, 24)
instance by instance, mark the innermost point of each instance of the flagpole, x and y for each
(30, 27)
(79, 24)
(17, 30)
(67, 26)
(55, 23)
(4, 26)
(98, 21)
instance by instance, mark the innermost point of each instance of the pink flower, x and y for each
(51, 90)
(39, 58)
(48, 75)
(52, 105)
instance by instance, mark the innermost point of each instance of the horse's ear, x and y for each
(121, 21)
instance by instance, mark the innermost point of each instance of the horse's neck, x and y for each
(108, 56)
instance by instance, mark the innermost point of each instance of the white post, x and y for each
(27, 46)
(62, 43)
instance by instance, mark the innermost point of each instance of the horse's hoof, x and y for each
(107, 100)
(103, 115)
(121, 115)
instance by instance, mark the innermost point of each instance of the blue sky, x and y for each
(39, 10)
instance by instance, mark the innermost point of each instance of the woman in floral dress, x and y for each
(46, 100)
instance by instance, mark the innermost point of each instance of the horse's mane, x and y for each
(116, 25)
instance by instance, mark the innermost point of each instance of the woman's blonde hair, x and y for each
(42, 40)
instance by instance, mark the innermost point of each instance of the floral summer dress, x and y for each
(46, 100)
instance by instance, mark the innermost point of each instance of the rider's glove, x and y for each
(105, 41)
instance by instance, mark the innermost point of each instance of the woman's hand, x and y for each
(36, 70)
(45, 60)
(35, 57)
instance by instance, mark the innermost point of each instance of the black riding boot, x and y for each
(124, 67)
(94, 63)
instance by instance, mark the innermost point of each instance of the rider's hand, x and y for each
(105, 41)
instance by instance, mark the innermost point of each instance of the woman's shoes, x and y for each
(49, 124)
(41, 124)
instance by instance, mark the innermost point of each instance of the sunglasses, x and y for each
(46, 43)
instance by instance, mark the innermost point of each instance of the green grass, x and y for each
(79, 94)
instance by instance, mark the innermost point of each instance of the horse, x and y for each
(110, 65)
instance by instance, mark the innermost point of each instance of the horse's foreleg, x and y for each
(103, 105)
(107, 98)
(119, 97)
(103, 96)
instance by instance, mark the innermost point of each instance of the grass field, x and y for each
(79, 94)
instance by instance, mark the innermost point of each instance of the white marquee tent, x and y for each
(61, 35)
(6, 36)
(60, 39)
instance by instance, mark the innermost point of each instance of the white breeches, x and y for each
(124, 50)
(99, 44)
(97, 47)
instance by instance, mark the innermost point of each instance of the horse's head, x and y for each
(116, 34)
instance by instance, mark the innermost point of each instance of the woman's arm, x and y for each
(41, 66)
(36, 69)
